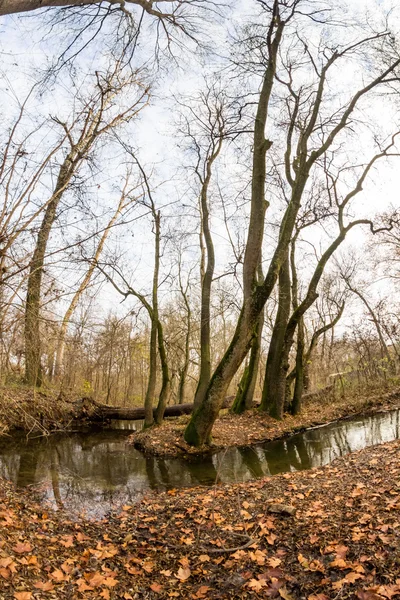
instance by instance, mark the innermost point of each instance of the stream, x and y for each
(93, 472)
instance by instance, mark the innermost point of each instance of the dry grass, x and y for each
(34, 410)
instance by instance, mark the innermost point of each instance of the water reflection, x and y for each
(94, 472)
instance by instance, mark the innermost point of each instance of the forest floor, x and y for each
(254, 426)
(327, 533)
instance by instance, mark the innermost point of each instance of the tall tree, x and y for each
(99, 115)
(305, 146)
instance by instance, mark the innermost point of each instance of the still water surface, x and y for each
(95, 471)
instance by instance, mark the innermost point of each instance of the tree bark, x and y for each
(87, 408)
(276, 368)
(205, 325)
(33, 369)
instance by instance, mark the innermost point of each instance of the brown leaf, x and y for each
(368, 595)
(274, 562)
(271, 539)
(95, 579)
(5, 573)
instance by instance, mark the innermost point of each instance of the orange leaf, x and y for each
(58, 575)
(183, 574)
(22, 595)
(257, 584)
(110, 582)
(105, 594)
(352, 577)
(20, 548)
(5, 573)
(46, 586)
(96, 579)
(274, 562)
(156, 587)
(202, 591)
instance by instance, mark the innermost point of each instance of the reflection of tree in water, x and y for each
(252, 461)
(97, 471)
(55, 476)
(28, 461)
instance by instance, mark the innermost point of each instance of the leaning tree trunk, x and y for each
(33, 369)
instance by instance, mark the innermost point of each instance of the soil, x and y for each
(327, 533)
(254, 426)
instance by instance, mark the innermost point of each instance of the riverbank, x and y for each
(41, 410)
(254, 427)
(317, 535)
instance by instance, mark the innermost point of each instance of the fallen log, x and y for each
(94, 411)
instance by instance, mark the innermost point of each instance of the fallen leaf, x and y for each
(183, 573)
(45, 586)
(20, 548)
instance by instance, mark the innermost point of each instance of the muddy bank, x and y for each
(255, 427)
(326, 533)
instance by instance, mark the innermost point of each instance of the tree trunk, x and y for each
(33, 368)
(184, 371)
(299, 385)
(205, 325)
(245, 394)
(166, 381)
(198, 431)
(273, 393)
(151, 382)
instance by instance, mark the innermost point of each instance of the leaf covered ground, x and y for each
(328, 533)
(254, 426)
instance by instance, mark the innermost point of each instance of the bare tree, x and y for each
(305, 147)
(126, 199)
(99, 115)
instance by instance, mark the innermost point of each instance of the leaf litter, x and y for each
(341, 540)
